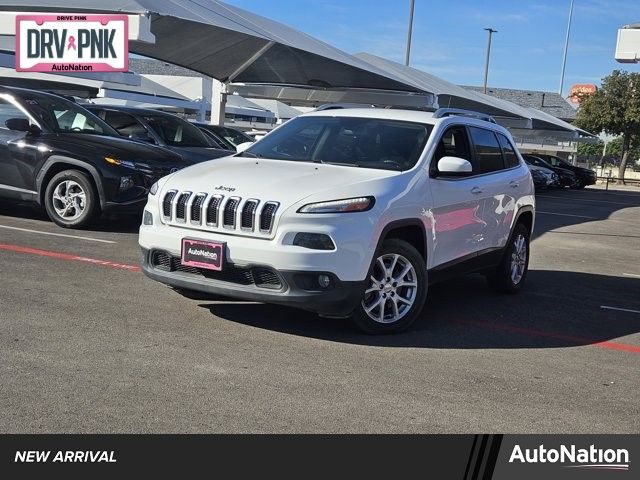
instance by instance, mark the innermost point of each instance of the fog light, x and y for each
(324, 281)
(315, 241)
(126, 182)
(147, 218)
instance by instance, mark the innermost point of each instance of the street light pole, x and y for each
(409, 33)
(566, 47)
(486, 64)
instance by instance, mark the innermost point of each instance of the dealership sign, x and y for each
(72, 43)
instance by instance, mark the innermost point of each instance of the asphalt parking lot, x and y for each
(88, 344)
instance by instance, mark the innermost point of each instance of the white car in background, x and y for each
(347, 213)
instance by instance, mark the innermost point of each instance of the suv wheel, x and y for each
(396, 290)
(510, 275)
(71, 199)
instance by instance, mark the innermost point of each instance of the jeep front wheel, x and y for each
(71, 200)
(396, 290)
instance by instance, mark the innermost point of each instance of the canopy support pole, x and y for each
(218, 102)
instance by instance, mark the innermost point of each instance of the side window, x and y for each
(487, 148)
(454, 143)
(508, 152)
(125, 124)
(7, 111)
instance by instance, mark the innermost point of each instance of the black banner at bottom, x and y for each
(464, 457)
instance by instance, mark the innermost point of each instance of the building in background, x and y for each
(579, 91)
(549, 102)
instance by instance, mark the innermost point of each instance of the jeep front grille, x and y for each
(166, 204)
(230, 210)
(212, 210)
(215, 212)
(182, 206)
(248, 214)
(258, 276)
(267, 216)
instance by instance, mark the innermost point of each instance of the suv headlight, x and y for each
(154, 189)
(358, 204)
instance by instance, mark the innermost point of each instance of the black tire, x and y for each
(90, 204)
(407, 313)
(501, 278)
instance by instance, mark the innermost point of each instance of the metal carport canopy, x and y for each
(454, 96)
(232, 45)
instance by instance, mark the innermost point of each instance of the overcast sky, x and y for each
(449, 40)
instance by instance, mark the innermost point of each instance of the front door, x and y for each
(457, 225)
(18, 155)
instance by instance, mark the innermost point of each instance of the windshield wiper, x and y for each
(248, 154)
(342, 164)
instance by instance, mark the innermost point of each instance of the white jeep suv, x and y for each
(347, 213)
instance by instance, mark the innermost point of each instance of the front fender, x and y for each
(56, 160)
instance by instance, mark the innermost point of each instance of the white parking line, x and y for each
(28, 230)
(587, 200)
(606, 307)
(631, 275)
(566, 215)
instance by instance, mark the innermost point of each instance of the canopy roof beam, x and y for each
(250, 61)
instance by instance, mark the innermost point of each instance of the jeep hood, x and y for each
(286, 182)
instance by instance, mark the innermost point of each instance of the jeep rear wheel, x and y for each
(396, 290)
(510, 275)
(71, 200)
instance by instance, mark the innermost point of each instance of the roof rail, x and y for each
(448, 112)
(340, 106)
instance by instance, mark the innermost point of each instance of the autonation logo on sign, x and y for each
(70, 42)
(573, 457)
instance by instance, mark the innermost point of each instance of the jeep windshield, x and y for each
(350, 141)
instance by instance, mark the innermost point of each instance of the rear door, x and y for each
(457, 226)
(503, 179)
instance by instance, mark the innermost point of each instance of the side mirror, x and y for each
(454, 166)
(243, 146)
(21, 125)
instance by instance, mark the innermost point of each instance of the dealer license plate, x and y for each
(202, 254)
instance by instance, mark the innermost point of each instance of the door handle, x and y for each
(476, 190)
(514, 184)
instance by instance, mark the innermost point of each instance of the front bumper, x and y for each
(293, 288)
(568, 181)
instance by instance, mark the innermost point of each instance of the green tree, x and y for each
(614, 109)
(591, 149)
(614, 149)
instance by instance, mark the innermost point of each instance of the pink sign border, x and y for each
(97, 66)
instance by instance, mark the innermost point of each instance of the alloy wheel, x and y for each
(392, 289)
(69, 200)
(518, 259)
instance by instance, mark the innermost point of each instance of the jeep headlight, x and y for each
(154, 189)
(347, 205)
